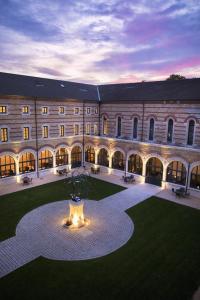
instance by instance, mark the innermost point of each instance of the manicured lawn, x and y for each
(14, 206)
(160, 262)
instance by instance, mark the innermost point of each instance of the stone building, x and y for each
(151, 129)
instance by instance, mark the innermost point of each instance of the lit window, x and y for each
(25, 109)
(3, 109)
(76, 129)
(61, 110)
(4, 134)
(105, 126)
(88, 110)
(45, 131)
(44, 110)
(26, 133)
(62, 130)
(76, 110)
(95, 129)
(96, 111)
(88, 128)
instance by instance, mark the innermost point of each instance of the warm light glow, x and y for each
(76, 217)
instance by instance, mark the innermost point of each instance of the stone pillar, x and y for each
(17, 169)
(164, 175)
(69, 158)
(144, 170)
(54, 162)
(96, 156)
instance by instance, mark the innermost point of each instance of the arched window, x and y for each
(76, 157)
(135, 128)
(45, 160)
(118, 160)
(176, 173)
(151, 129)
(61, 157)
(135, 164)
(154, 171)
(27, 163)
(103, 158)
(105, 125)
(190, 138)
(170, 131)
(7, 166)
(195, 178)
(119, 126)
(90, 155)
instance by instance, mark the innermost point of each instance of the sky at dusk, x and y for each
(100, 41)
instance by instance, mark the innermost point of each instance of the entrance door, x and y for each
(154, 171)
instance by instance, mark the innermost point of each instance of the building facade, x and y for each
(151, 129)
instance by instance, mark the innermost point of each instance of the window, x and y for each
(135, 128)
(76, 157)
(119, 126)
(135, 164)
(195, 178)
(190, 138)
(88, 110)
(151, 129)
(96, 110)
(61, 110)
(76, 129)
(3, 109)
(118, 161)
(76, 110)
(90, 155)
(95, 129)
(26, 133)
(4, 134)
(88, 128)
(61, 157)
(25, 110)
(7, 166)
(44, 110)
(27, 163)
(170, 131)
(45, 160)
(62, 130)
(105, 126)
(45, 131)
(103, 157)
(176, 173)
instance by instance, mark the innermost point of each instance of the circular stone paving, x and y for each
(109, 229)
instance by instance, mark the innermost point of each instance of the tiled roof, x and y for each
(12, 84)
(28, 86)
(186, 89)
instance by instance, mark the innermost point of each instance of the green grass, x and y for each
(160, 262)
(14, 206)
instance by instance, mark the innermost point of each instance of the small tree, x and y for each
(175, 77)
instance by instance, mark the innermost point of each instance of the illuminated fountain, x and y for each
(76, 217)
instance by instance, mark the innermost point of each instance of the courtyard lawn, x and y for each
(160, 262)
(14, 206)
